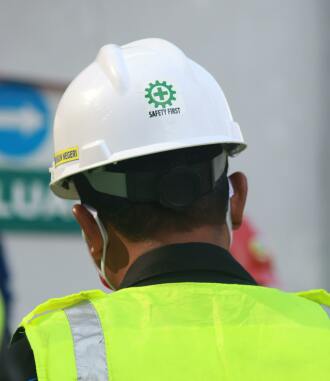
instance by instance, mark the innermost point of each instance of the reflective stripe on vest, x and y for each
(327, 310)
(88, 341)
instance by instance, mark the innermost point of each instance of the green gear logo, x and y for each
(160, 94)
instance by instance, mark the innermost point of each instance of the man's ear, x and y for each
(238, 200)
(91, 231)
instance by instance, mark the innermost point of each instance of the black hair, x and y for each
(140, 221)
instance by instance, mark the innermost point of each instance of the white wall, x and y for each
(269, 56)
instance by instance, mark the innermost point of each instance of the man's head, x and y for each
(142, 135)
(135, 227)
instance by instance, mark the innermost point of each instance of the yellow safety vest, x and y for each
(182, 331)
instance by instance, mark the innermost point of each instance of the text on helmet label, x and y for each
(66, 155)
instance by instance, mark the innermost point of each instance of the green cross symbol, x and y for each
(160, 93)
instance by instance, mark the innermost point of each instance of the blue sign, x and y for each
(24, 119)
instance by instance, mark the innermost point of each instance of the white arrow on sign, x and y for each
(25, 119)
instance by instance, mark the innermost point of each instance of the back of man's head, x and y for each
(149, 220)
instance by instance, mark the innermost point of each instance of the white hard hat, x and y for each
(142, 98)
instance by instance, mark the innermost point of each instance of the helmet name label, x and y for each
(66, 155)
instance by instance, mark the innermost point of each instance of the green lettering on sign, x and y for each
(27, 204)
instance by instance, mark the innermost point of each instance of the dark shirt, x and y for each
(189, 262)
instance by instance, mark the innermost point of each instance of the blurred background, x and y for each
(271, 58)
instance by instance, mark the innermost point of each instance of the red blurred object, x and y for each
(252, 255)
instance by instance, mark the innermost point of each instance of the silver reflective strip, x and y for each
(88, 340)
(326, 309)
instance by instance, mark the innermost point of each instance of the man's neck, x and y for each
(208, 234)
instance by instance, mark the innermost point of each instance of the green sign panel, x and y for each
(27, 204)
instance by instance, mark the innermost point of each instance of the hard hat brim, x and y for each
(60, 176)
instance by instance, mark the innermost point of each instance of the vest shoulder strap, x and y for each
(55, 304)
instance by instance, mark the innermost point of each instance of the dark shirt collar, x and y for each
(188, 262)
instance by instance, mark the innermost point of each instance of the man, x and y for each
(5, 289)
(142, 138)
(2, 319)
(3, 364)
(8, 371)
